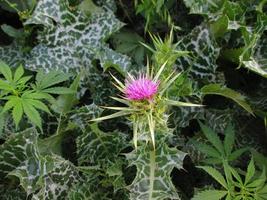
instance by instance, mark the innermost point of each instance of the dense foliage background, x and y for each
(56, 60)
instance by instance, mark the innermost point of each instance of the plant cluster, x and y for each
(133, 100)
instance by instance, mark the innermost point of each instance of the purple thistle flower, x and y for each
(141, 88)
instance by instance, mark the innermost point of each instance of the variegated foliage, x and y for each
(69, 40)
(44, 176)
(153, 179)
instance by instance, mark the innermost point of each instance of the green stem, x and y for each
(152, 173)
(59, 124)
(12, 6)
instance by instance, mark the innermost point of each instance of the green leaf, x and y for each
(5, 86)
(235, 174)
(257, 183)
(128, 42)
(18, 74)
(59, 90)
(38, 104)
(32, 113)
(88, 7)
(262, 192)
(250, 171)
(228, 93)
(210, 195)
(179, 103)
(24, 80)
(229, 139)
(206, 149)
(9, 104)
(12, 32)
(216, 175)
(213, 138)
(260, 159)
(65, 102)
(152, 180)
(117, 114)
(46, 80)
(17, 112)
(234, 155)
(6, 71)
(220, 26)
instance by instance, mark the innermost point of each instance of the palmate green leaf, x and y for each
(153, 181)
(6, 71)
(216, 175)
(212, 138)
(260, 159)
(74, 40)
(210, 195)
(38, 105)
(10, 104)
(250, 171)
(237, 153)
(258, 182)
(229, 139)
(5, 86)
(262, 192)
(206, 149)
(18, 73)
(17, 113)
(228, 93)
(32, 113)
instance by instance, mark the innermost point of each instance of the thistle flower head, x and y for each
(141, 88)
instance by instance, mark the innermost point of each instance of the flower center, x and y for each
(141, 88)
